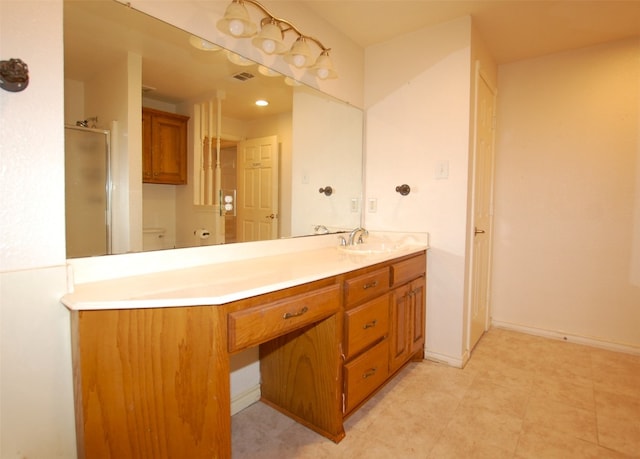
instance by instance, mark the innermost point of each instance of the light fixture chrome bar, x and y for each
(279, 21)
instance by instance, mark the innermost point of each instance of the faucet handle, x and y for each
(342, 241)
(364, 233)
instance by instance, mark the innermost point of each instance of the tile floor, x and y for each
(520, 396)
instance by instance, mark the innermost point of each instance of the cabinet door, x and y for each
(418, 315)
(169, 139)
(399, 349)
(407, 333)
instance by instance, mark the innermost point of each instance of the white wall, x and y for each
(417, 93)
(36, 406)
(567, 204)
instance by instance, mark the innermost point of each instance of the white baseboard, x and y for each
(245, 399)
(457, 362)
(559, 335)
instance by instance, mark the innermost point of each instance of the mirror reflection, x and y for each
(167, 125)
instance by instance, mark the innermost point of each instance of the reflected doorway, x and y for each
(258, 189)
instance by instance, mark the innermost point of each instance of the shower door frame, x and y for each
(108, 181)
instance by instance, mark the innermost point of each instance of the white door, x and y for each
(482, 210)
(258, 189)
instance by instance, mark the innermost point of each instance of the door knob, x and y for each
(477, 231)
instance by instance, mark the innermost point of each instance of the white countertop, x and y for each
(220, 283)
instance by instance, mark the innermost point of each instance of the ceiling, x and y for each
(512, 29)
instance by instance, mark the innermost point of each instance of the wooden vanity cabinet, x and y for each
(384, 325)
(164, 147)
(154, 382)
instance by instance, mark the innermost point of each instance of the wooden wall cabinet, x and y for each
(164, 147)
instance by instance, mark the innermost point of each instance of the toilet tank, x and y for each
(153, 238)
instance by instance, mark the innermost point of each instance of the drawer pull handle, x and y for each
(291, 315)
(370, 324)
(370, 372)
(370, 285)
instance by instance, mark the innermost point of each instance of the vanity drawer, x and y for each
(407, 270)
(365, 374)
(366, 324)
(258, 324)
(366, 286)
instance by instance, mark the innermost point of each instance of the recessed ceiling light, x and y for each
(262, 103)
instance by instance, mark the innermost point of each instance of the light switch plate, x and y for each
(442, 169)
(372, 205)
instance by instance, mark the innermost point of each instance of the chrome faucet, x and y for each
(358, 231)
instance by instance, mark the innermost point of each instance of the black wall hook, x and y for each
(327, 190)
(403, 189)
(14, 75)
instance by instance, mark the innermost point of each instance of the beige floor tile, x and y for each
(454, 445)
(487, 428)
(571, 391)
(537, 442)
(619, 373)
(618, 406)
(619, 435)
(606, 453)
(496, 396)
(543, 412)
(453, 381)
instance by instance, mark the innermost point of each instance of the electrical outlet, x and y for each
(355, 206)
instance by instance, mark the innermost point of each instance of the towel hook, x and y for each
(403, 189)
(327, 190)
(14, 75)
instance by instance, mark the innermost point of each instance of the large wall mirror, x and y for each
(251, 172)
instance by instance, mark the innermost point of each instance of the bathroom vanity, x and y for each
(151, 353)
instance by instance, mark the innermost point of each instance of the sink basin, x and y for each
(368, 248)
(382, 243)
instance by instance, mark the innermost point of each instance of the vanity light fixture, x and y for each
(238, 59)
(266, 71)
(270, 40)
(202, 44)
(291, 82)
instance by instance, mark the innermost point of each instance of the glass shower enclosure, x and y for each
(87, 192)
